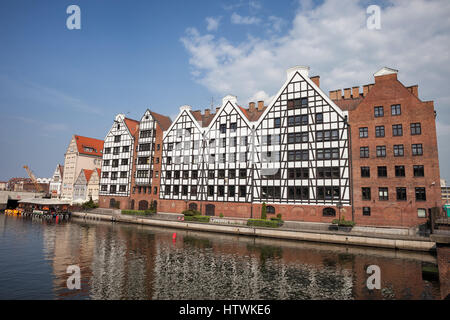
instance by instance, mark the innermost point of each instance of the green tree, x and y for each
(264, 211)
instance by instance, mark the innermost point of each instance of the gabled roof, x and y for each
(132, 125)
(95, 144)
(163, 121)
(88, 174)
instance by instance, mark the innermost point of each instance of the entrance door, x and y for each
(210, 209)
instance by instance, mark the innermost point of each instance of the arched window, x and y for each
(132, 205)
(143, 205)
(193, 206)
(210, 209)
(112, 203)
(270, 209)
(329, 212)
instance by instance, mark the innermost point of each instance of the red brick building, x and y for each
(395, 165)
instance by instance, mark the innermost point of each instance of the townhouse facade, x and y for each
(308, 156)
(56, 182)
(86, 186)
(82, 153)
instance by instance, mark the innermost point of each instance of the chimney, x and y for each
(355, 92)
(217, 109)
(338, 94)
(207, 112)
(365, 90)
(316, 80)
(333, 95)
(385, 74)
(251, 106)
(347, 93)
(260, 105)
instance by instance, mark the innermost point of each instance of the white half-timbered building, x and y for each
(301, 147)
(118, 158)
(182, 160)
(145, 151)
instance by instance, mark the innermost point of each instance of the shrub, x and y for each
(191, 213)
(264, 223)
(279, 216)
(89, 204)
(196, 218)
(343, 222)
(264, 211)
(221, 215)
(277, 219)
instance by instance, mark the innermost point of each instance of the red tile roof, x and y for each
(85, 142)
(132, 125)
(163, 121)
(88, 174)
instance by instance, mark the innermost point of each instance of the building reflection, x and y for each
(130, 262)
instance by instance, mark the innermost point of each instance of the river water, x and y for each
(119, 261)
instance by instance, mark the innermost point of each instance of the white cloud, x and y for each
(238, 19)
(212, 23)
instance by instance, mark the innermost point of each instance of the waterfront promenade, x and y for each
(360, 236)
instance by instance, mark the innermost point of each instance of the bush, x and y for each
(196, 218)
(138, 212)
(264, 223)
(221, 215)
(190, 213)
(343, 222)
(279, 216)
(89, 204)
(264, 211)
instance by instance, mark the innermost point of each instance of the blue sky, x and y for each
(133, 55)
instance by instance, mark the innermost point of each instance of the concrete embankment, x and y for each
(315, 236)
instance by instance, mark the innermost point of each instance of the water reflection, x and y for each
(136, 262)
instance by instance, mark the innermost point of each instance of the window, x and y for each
(244, 141)
(194, 191)
(382, 172)
(298, 193)
(298, 137)
(221, 191)
(142, 174)
(366, 211)
(326, 135)
(329, 212)
(328, 193)
(364, 152)
(169, 174)
(124, 162)
(420, 194)
(326, 172)
(242, 173)
(112, 189)
(277, 122)
(297, 103)
(221, 174)
(176, 190)
(401, 194)
(184, 190)
(231, 174)
(242, 191)
(270, 209)
(299, 173)
(416, 129)
(115, 163)
(365, 193)
(167, 189)
(299, 155)
(122, 188)
(123, 174)
(364, 132)
(397, 130)
(185, 174)
(383, 194)
(145, 134)
(104, 187)
(211, 191)
(116, 151)
(418, 171)
(319, 117)
(107, 150)
(298, 120)
(399, 171)
(117, 138)
(194, 174)
(211, 174)
(417, 149)
(399, 150)
(378, 112)
(144, 160)
(223, 128)
(177, 174)
(223, 142)
(233, 127)
(327, 154)
(396, 110)
(381, 151)
(365, 172)
(421, 213)
(144, 147)
(379, 131)
(158, 146)
(231, 191)
(105, 174)
(271, 192)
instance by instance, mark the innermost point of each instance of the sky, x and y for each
(132, 55)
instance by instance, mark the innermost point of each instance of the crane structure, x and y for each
(33, 178)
